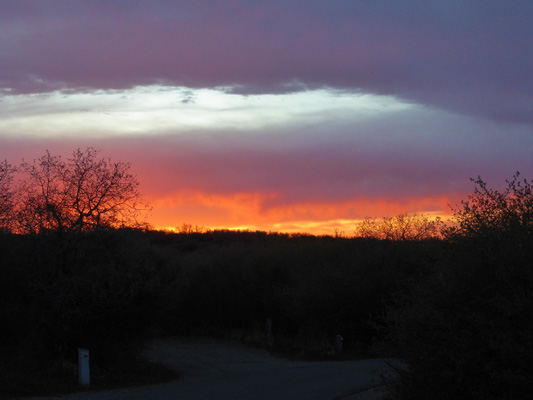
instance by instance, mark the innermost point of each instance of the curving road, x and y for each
(213, 369)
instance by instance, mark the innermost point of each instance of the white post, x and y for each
(83, 367)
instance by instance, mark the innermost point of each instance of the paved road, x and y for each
(212, 369)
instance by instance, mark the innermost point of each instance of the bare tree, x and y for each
(83, 193)
(6, 195)
(401, 227)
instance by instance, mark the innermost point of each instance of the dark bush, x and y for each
(464, 330)
(82, 290)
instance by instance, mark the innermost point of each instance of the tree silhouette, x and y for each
(491, 214)
(6, 195)
(83, 193)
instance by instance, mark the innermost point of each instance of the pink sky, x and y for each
(275, 115)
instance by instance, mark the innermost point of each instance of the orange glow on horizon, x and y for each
(259, 211)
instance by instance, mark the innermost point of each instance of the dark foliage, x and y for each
(465, 330)
(59, 293)
(111, 291)
(311, 287)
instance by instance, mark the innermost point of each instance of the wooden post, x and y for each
(338, 344)
(269, 329)
(83, 368)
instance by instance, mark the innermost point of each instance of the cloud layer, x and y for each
(471, 57)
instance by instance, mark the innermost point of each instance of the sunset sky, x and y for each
(279, 115)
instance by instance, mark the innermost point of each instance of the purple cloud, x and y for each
(471, 57)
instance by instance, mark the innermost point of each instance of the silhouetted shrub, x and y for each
(464, 330)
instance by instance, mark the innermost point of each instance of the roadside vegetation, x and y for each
(464, 329)
(454, 303)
